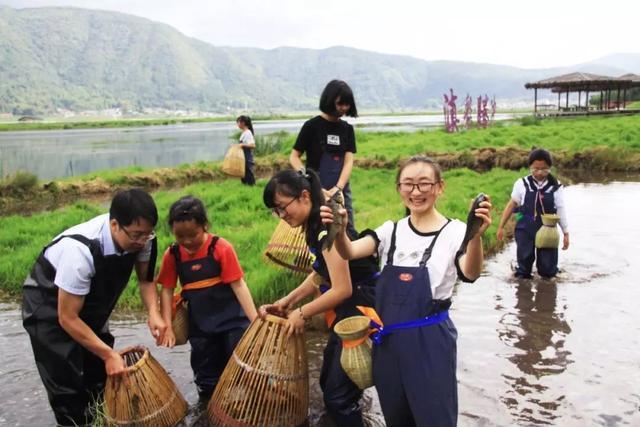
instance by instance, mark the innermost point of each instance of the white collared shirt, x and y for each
(519, 191)
(73, 260)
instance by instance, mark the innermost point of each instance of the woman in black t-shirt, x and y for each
(329, 143)
(296, 198)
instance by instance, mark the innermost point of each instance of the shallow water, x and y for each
(539, 352)
(63, 153)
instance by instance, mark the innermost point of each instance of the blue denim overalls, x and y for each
(536, 202)
(414, 359)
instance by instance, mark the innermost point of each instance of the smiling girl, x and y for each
(296, 197)
(219, 302)
(414, 361)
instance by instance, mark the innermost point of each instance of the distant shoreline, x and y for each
(57, 123)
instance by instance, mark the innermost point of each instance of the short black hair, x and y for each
(188, 208)
(540, 154)
(332, 91)
(129, 206)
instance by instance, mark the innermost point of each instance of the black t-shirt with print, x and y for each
(318, 135)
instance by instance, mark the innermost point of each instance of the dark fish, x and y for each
(473, 222)
(335, 202)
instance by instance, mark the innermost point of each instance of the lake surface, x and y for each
(65, 153)
(562, 352)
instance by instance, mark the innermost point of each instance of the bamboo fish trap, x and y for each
(180, 323)
(288, 249)
(233, 163)
(265, 382)
(145, 396)
(356, 349)
(547, 237)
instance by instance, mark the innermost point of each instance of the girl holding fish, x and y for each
(296, 197)
(414, 356)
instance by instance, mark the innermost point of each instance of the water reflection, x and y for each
(538, 329)
(57, 154)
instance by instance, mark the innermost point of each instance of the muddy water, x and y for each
(563, 352)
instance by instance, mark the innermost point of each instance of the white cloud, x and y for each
(539, 34)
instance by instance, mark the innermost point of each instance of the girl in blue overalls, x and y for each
(536, 194)
(330, 143)
(296, 197)
(219, 302)
(414, 359)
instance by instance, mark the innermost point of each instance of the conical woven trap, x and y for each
(288, 249)
(266, 381)
(144, 396)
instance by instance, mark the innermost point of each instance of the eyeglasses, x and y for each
(139, 237)
(423, 187)
(542, 170)
(278, 211)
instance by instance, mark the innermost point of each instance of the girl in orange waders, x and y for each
(219, 302)
(296, 197)
(414, 353)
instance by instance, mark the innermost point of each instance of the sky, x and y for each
(540, 34)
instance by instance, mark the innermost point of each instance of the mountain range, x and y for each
(78, 59)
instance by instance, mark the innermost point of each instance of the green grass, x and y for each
(572, 135)
(236, 213)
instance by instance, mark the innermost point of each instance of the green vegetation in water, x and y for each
(237, 214)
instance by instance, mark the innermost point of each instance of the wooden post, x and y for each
(567, 101)
(535, 101)
(559, 101)
(618, 98)
(579, 94)
(601, 99)
(624, 100)
(587, 101)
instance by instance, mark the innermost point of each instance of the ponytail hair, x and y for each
(291, 183)
(247, 122)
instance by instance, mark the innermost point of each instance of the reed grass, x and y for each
(236, 213)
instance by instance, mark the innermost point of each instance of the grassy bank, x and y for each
(594, 143)
(237, 213)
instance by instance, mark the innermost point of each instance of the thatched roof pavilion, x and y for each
(588, 83)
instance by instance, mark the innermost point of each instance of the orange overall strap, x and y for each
(202, 284)
(329, 317)
(371, 313)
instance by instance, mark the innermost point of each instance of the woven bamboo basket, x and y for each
(180, 323)
(547, 237)
(288, 249)
(233, 163)
(265, 382)
(145, 396)
(356, 356)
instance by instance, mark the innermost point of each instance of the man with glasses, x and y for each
(70, 293)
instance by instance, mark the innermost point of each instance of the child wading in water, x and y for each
(248, 144)
(535, 194)
(414, 359)
(219, 302)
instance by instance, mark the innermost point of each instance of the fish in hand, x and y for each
(473, 222)
(335, 202)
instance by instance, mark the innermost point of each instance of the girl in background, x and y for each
(219, 302)
(414, 359)
(248, 144)
(330, 143)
